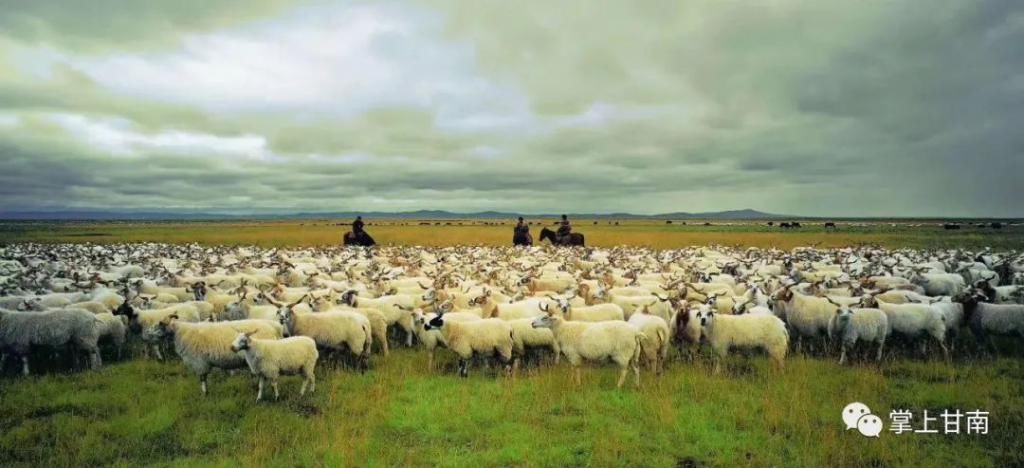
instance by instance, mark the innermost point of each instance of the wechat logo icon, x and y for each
(858, 416)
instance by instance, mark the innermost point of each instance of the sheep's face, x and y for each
(434, 323)
(544, 321)
(843, 316)
(241, 343)
(739, 308)
(348, 298)
(162, 329)
(125, 309)
(287, 318)
(706, 316)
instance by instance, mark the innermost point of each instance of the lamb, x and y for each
(205, 346)
(489, 336)
(19, 331)
(596, 341)
(861, 324)
(724, 332)
(656, 330)
(913, 320)
(332, 330)
(269, 359)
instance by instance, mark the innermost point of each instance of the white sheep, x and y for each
(987, 320)
(851, 325)
(806, 316)
(594, 313)
(114, 328)
(20, 331)
(913, 320)
(432, 339)
(657, 332)
(940, 284)
(269, 359)
(144, 322)
(207, 345)
(485, 336)
(397, 309)
(526, 337)
(659, 305)
(527, 308)
(596, 341)
(332, 330)
(724, 332)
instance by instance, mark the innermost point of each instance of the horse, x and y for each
(522, 239)
(363, 240)
(573, 239)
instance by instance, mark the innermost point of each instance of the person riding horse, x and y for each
(521, 234)
(564, 229)
(358, 236)
(564, 236)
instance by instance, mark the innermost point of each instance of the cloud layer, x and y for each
(873, 108)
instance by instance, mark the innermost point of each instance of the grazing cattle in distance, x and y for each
(951, 226)
(830, 226)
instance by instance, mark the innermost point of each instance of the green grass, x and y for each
(143, 412)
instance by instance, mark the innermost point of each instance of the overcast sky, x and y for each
(814, 107)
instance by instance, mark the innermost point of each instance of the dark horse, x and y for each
(363, 239)
(574, 238)
(522, 239)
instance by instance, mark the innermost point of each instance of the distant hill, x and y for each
(101, 215)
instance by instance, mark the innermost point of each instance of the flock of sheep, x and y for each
(276, 312)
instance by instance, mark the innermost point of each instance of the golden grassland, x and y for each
(655, 234)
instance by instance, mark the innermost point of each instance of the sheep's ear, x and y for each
(173, 317)
(250, 334)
